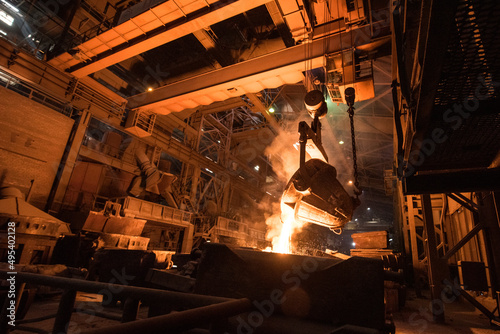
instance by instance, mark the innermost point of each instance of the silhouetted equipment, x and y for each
(350, 96)
(315, 104)
(316, 196)
(313, 192)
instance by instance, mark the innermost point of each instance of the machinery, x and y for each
(316, 196)
(313, 192)
(35, 232)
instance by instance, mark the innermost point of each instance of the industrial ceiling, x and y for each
(173, 58)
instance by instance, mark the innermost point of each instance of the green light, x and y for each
(271, 110)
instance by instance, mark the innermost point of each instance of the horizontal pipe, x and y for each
(99, 314)
(179, 321)
(144, 294)
(32, 320)
(32, 329)
(393, 276)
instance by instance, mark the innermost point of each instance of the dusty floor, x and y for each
(79, 321)
(461, 317)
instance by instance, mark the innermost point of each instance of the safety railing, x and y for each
(109, 150)
(25, 89)
(194, 310)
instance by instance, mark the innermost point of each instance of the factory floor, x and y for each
(460, 316)
(79, 322)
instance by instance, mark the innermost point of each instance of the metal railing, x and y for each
(31, 92)
(98, 99)
(201, 309)
(123, 155)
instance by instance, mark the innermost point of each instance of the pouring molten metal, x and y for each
(316, 196)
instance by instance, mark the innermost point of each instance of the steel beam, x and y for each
(478, 305)
(188, 155)
(279, 22)
(258, 106)
(68, 162)
(448, 182)
(113, 46)
(418, 268)
(269, 71)
(488, 215)
(438, 268)
(209, 40)
(472, 233)
(463, 201)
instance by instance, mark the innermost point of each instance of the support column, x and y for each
(130, 309)
(417, 266)
(437, 267)
(227, 195)
(68, 162)
(194, 182)
(187, 241)
(488, 216)
(64, 312)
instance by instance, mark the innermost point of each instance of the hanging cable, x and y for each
(349, 99)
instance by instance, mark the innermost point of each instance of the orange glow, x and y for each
(281, 228)
(279, 232)
(283, 243)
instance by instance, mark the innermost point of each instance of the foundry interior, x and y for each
(249, 166)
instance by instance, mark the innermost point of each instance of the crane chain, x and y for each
(358, 191)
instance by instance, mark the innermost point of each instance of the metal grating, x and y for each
(466, 101)
(472, 65)
(473, 144)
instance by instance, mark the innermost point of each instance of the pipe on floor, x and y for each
(179, 321)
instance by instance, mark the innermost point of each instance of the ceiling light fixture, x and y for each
(11, 7)
(6, 18)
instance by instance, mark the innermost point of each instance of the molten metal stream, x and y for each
(287, 228)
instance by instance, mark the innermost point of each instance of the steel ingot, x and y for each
(316, 196)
